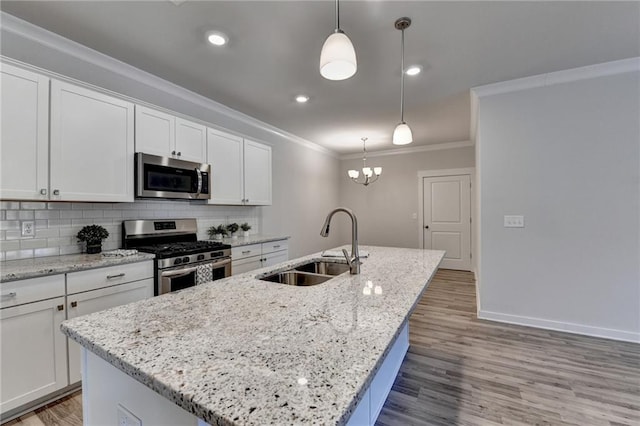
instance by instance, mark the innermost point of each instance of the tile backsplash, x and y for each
(56, 224)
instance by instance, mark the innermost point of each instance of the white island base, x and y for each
(111, 397)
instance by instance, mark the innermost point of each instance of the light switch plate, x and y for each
(514, 221)
(126, 418)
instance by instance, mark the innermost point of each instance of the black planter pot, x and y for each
(94, 248)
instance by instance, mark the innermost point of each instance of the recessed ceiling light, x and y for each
(301, 99)
(217, 38)
(413, 70)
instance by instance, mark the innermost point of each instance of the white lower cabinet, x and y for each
(36, 358)
(255, 256)
(33, 361)
(99, 300)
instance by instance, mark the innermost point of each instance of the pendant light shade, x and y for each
(338, 57)
(402, 134)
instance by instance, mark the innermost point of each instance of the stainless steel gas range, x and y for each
(181, 260)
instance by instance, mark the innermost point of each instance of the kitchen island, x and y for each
(246, 351)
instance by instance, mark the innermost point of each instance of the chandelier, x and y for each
(369, 175)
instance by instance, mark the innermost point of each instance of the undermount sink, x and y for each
(297, 278)
(324, 268)
(308, 274)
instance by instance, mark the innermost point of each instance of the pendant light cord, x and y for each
(402, 80)
(337, 15)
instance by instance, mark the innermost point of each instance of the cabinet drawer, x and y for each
(31, 290)
(273, 246)
(105, 277)
(246, 251)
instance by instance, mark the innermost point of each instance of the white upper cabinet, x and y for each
(91, 145)
(225, 154)
(166, 135)
(257, 173)
(240, 168)
(24, 142)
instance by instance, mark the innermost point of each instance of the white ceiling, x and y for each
(274, 52)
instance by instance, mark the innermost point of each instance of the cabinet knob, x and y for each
(179, 153)
(43, 191)
(426, 227)
(56, 192)
(74, 304)
(61, 307)
(173, 153)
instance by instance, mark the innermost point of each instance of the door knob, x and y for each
(426, 227)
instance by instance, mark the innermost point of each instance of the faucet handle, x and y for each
(346, 256)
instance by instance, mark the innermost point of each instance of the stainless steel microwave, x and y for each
(165, 177)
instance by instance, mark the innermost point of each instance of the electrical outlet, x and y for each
(514, 221)
(125, 418)
(28, 228)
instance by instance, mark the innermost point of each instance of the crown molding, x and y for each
(412, 150)
(558, 77)
(56, 42)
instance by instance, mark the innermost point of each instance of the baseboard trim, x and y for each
(40, 402)
(607, 333)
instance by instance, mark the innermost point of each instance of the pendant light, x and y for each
(338, 57)
(369, 175)
(402, 134)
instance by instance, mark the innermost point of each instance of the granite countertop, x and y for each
(245, 351)
(13, 270)
(253, 239)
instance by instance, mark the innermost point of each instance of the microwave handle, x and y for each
(199, 173)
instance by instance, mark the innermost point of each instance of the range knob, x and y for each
(177, 261)
(201, 257)
(185, 259)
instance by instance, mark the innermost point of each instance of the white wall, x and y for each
(304, 175)
(385, 208)
(567, 157)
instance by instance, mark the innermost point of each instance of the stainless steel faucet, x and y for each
(354, 259)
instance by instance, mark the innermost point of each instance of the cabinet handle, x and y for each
(179, 153)
(61, 307)
(74, 304)
(56, 192)
(110, 277)
(278, 246)
(43, 191)
(9, 295)
(173, 153)
(247, 200)
(246, 252)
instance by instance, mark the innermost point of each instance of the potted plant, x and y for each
(245, 229)
(217, 232)
(93, 236)
(232, 228)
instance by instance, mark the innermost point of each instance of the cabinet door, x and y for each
(91, 155)
(191, 141)
(24, 141)
(275, 258)
(99, 300)
(225, 154)
(33, 361)
(257, 173)
(155, 132)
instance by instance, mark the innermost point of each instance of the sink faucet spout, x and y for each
(354, 259)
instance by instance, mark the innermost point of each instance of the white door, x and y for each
(257, 173)
(99, 300)
(155, 132)
(24, 142)
(33, 359)
(91, 157)
(447, 219)
(226, 156)
(191, 141)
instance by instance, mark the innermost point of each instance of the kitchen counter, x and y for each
(252, 239)
(13, 270)
(245, 351)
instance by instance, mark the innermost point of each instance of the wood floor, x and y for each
(463, 371)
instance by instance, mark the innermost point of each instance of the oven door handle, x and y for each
(186, 271)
